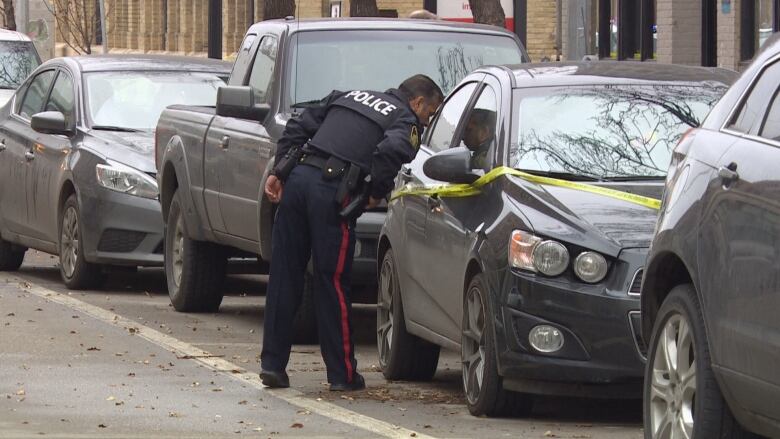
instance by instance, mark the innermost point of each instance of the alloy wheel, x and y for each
(384, 311)
(473, 345)
(673, 383)
(178, 252)
(69, 247)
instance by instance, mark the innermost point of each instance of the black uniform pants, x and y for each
(307, 224)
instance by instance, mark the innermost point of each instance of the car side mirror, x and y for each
(239, 101)
(51, 122)
(452, 165)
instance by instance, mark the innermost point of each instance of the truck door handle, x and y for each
(29, 156)
(728, 173)
(2, 145)
(225, 142)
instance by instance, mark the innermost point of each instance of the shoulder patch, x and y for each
(414, 138)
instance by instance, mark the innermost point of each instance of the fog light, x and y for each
(358, 248)
(545, 338)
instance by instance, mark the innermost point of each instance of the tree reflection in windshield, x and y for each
(608, 131)
(453, 65)
(17, 61)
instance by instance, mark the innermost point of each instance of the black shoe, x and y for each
(275, 380)
(358, 383)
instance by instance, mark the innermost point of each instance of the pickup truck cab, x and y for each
(213, 162)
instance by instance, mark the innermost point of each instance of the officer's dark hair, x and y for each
(421, 85)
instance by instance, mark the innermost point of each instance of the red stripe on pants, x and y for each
(342, 302)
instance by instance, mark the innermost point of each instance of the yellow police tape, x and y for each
(468, 190)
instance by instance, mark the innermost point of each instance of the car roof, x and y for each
(613, 72)
(10, 35)
(310, 24)
(104, 63)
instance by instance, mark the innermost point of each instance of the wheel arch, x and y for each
(169, 182)
(666, 271)
(66, 191)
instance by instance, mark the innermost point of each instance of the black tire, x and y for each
(305, 321)
(76, 272)
(11, 256)
(201, 266)
(708, 413)
(489, 399)
(406, 356)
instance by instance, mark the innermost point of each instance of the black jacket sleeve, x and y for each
(301, 129)
(394, 150)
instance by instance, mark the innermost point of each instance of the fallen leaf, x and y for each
(174, 415)
(10, 314)
(93, 349)
(549, 434)
(21, 392)
(258, 429)
(297, 425)
(102, 426)
(111, 398)
(244, 402)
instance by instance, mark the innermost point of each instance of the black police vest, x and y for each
(381, 108)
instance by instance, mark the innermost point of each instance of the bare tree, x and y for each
(363, 8)
(454, 65)
(488, 12)
(9, 19)
(16, 63)
(278, 9)
(78, 22)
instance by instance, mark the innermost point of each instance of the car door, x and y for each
(415, 255)
(451, 222)
(247, 149)
(47, 162)
(19, 138)
(214, 154)
(739, 249)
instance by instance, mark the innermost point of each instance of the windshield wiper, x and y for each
(306, 104)
(114, 128)
(636, 178)
(561, 175)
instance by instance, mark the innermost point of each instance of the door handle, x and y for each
(434, 204)
(728, 173)
(29, 156)
(225, 142)
(2, 145)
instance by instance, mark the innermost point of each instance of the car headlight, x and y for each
(529, 252)
(591, 267)
(122, 178)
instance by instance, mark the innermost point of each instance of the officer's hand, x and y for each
(373, 202)
(273, 189)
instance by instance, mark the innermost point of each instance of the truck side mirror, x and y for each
(239, 101)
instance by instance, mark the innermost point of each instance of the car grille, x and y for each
(636, 284)
(120, 241)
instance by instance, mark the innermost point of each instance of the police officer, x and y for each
(348, 135)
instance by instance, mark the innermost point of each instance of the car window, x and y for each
(36, 93)
(449, 117)
(263, 69)
(752, 109)
(62, 98)
(479, 133)
(243, 59)
(770, 129)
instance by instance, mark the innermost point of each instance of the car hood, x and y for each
(621, 223)
(132, 149)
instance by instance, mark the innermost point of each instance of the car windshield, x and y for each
(17, 60)
(377, 60)
(606, 132)
(134, 100)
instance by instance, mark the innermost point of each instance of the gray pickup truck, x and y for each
(212, 162)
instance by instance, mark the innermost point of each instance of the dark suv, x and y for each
(711, 289)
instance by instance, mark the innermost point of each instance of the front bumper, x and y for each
(600, 355)
(121, 229)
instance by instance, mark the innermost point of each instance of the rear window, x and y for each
(18, 59)
(324, 61)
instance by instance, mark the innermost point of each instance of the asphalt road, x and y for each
(120, 362)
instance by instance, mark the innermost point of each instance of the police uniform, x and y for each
(377, 132)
